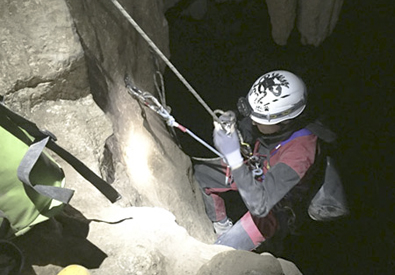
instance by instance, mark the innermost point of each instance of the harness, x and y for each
(256, 161)
(299, 133)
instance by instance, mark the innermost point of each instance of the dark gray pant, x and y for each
(214, 178)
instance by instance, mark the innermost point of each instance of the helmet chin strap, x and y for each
(286, 126)
(293, 124)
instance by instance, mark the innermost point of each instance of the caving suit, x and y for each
(284, 159)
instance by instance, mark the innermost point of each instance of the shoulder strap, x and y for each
(322, 132)
(26, 166)
(299, 133)
(105, 188)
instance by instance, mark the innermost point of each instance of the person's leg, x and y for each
(249, 232)
(213, 177)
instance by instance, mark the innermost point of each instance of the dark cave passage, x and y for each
(349, 79)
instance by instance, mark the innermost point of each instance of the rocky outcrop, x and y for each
(155, 167)
(317, 19)
(282, 17)
(314, 19)
(235, 262)
(38, 59)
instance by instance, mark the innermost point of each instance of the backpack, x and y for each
(326, 200)
(319, 196)
(31, 182)
(330, 202)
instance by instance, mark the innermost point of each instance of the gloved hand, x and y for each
(227, 142)
(228, 120)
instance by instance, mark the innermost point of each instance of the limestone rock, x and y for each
(156, 168)
(236, 262)
(197, 9)
(117, 240)
(82, 128)
(145, 164)
(317, 19)
(167, 4)
(149, 243)
(40, 52)
(282, 17)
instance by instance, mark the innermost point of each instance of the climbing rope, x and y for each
(164, 58)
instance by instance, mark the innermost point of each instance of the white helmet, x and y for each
(274, 97)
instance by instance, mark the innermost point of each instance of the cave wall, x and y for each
(159, 172)
(38, 59)
(53, 52)
(313, 19)
(62, 66)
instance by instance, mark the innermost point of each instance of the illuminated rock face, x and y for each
(68, 50)
(154, 171)
(63, 65)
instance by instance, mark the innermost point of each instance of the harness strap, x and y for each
(299, 133)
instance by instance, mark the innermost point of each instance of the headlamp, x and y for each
(244, 107)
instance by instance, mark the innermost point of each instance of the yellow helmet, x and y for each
(74, 269)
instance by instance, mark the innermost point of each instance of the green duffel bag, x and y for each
(31, 182)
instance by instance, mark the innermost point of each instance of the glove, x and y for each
(227, 142)
(228, 120)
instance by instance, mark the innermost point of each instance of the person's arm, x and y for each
(295, 159)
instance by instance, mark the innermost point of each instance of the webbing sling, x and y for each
(26, 166)
(45, 137)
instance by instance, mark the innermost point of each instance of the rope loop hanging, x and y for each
(158, 80)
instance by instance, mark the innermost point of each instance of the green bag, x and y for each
(30, 180)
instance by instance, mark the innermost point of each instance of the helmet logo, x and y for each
(271, 82)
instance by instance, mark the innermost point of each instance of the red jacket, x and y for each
(284, 164)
